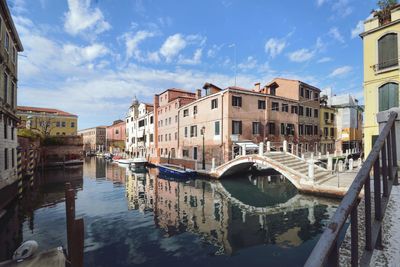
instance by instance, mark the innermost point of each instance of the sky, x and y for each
(91, 57)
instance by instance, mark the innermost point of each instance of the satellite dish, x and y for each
(26, 250)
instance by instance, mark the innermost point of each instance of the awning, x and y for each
(246, 145)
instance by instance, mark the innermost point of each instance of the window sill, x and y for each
(386, 70)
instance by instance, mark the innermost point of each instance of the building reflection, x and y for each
(94, 168)
(230, 214)
(10, 231)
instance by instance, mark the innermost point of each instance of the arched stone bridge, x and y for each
(304, 174)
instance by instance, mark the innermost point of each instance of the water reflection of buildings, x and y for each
(233, 214)
(94, 167)
(10, 231)
(116, 174)
(140, 191)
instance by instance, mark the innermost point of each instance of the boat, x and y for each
(175, 171)
(138, 163)
(124, 161)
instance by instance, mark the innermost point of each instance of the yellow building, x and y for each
(327, 128)
(47, 121)
(381, 68)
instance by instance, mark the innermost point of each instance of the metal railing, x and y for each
(383, 162)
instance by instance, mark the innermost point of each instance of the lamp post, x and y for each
(203, 129)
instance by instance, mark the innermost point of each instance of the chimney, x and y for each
(198, 93)
(257, 87)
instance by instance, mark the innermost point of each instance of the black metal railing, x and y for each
(386, 64)
(382, 163)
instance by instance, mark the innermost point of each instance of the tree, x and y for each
(43, 126)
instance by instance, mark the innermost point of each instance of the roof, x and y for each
(45, 110)
(178, 90)
(8, 20)
(292, 80)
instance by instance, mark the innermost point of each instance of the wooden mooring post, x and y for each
(75, 230)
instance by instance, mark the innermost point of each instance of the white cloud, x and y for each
(192, 61)
(341, 71)
(324, 59)
(132, 42)
(81, 55)
(335, 34)
(212, 52)
(172, 46)
(358, 29)
(274, 46)
(81, 18)
(250, 63)
(342, 8)
(301, 55)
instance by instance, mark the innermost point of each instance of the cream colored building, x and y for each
(140, 130)
(381, 70)
(10, 45)
(94, 139)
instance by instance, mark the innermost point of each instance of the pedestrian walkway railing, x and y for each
(382, 164)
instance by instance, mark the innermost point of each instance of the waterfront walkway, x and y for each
(304, 174)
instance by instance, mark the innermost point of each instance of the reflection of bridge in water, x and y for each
(217, 213)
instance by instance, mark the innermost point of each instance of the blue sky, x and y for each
(90, 57)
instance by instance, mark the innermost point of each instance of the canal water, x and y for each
(141, 219)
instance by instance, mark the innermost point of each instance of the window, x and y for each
(185, 153)
(58, 124)
(315, 113)
(194, 110)
(301, 129)
(214, 103)
(302, 91)
(195, 153)
(193, 131)
(151, 138)
(6, 41)
(282, 129)
(151, 120)
(332, 117)
(275, 106)
(185, 112)
(326, 116)
(271, 128)
(5, 128)
(5, 158)
(236, 127)
(63, 124)
(308, 94)
(294, 109)
(14, 55)
(261, 104)
(216, 128)
(315, 130)
(387, 51)
(316, 96)
(176, 118)
(309, 129)
(72, 124)
(301, 111)
(332, 132)
(309, 112)
(388, 96)
(12, 158)
(285, 107)
(12, 102)
(116, 131)
(169, 137)
(186, 132)
(326, 131)
(272, 91)
(5, 87)
(256, 127)
(290, 129)
(236, 101)
(12, 133)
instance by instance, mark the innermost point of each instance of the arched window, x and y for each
(388, 96)
(388, 51)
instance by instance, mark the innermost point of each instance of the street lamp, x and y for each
(203, 129)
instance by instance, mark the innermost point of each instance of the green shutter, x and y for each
(388, 96)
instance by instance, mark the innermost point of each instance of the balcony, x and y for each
(389, 65)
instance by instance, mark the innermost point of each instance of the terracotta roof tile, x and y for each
(46, 110)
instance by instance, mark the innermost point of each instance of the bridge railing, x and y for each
(382, 162)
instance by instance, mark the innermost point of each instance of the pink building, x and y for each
(166, 107)
(116, 136)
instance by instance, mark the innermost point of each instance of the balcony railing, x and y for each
(389, 64)
(383, 162)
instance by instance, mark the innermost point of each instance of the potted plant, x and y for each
(384, 12)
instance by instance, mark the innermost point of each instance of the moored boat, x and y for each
(175, 171)
(138, 163)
